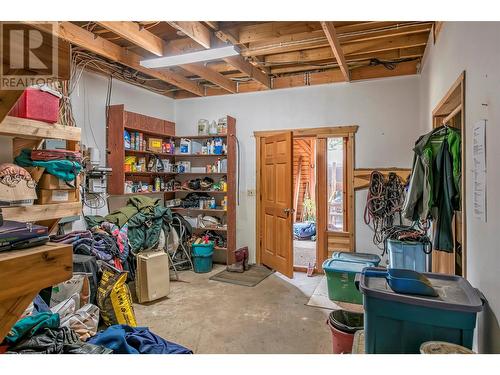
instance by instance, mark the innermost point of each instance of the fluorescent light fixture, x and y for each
(192, 57)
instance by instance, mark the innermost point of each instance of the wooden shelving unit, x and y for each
(28, 134)
(23, 273)
(121, 120)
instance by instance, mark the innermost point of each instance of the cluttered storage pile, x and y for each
(93, 312)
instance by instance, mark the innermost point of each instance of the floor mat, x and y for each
(248, 278)
(320, 299)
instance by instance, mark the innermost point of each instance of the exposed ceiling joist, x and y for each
(214, 25)
(365, 47)
(286, 30)
(318, 78)
(237, 61)
(100, 46)
(211, 75)
(317, 39)
(403, 53)
(195, 30)
(134, 33)
(250, 70)
(331, 35)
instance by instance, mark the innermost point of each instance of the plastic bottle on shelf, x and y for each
(213, 204)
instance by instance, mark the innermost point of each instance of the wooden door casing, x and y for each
(276, 202)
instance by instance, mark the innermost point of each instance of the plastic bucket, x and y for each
(344, 325)
(202, 263)
(202, 249)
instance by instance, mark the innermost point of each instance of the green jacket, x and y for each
(434, 180)
(135, 204)
(145, 227)
(145, 217)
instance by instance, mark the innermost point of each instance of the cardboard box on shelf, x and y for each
(35, 172)
(155, 144)
(152, 280)
(51, 182)
(57, 196)
(20, 194)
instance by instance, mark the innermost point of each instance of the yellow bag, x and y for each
(114, 299)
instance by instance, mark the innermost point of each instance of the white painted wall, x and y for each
(387, 112)
(89, 110)
(474, 47)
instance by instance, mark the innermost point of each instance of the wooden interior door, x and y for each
(276, 202)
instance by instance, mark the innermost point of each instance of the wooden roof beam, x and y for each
(331, 35)
(237, 61)
(250, 70)
(195, 30)
(134, 33)
(364, 47)
(100, 46)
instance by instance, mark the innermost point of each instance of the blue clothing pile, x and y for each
(123, 339)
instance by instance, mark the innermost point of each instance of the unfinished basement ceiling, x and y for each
(273, 54)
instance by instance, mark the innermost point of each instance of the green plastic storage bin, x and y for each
(365, 258)
(340, 276)
(400, 323)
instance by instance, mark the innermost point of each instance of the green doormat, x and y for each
(248, 278)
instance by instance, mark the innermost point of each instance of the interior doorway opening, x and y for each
(304, 204)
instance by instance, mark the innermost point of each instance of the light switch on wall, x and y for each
(251, 192)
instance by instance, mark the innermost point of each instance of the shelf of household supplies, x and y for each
(150, 133)
(192, 209)
(137, 152)
(150, 174)
(202, 174)
(201, 136)
(215, 229)
(201, 155)
(200, 191)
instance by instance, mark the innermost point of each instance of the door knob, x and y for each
(288, 211)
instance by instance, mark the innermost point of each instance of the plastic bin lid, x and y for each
(455, 293)
(356, 257)
(337, 265)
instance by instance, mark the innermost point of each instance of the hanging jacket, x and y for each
(420, 198)
(434, 189)
(445, 196)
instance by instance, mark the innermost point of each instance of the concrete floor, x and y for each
(304, 252)
(214, 317)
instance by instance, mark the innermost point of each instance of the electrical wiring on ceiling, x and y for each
(321, 38)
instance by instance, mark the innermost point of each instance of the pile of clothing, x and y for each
(107, 242)
(44, 331)
(434, 189)
(63, 164)
(144, 219)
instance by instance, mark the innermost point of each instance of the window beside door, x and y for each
(335, 184)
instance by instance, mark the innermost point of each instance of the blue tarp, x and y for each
(304, 231)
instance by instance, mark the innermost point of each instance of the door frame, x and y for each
(319, 133)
